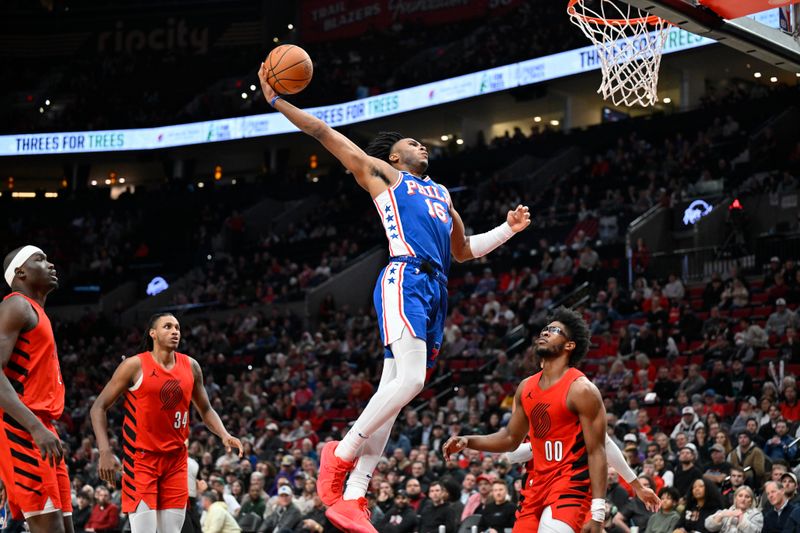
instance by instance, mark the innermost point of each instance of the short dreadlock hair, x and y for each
(577, 332)
(381, 146)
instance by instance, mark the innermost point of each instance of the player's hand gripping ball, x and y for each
(287, 69)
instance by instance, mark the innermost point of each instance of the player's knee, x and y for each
(413, 385)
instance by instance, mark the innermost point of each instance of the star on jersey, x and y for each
(391, 281)
(388, 208)
(392, 227)
(390, 218)
(393, 270)
(394, 235)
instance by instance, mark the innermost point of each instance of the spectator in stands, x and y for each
(689, 423)
(81, 514)
(702, 501)
(692, 384)
(712, 294)
(634, 512)
(663, 470)
(735, 295)
(400, 518)
(718, 469)
(562, 265)
(499, 512)
(104, 517)
(479, 499)
(674, 289)
(314, 521)
(781, 319)
(790, 407)
(790, 347)
(779, 509)
(216, 518)
(741, 382)
(255, 502)
(415, 495)
(285, 516)
(437, 511)
(688, 471)
(729, 489)
(218, 485)
(748, 454)
(666, 519)
(641, 257)
(742, 517)
(777, 447)
(789, 482)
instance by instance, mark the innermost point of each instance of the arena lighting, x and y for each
(23, 195)
(756, 74)
(244, 96)
(554, 122)
(252, 87)
(774, 79)
(290, 26)
(94, 183)
(200, 185)
(459, 141)
(41, 110)
(443, 137)
(667, 100)
(108, 182)
(122, 180)
(47, 102)
(51, 195)
(502, 78)
(537, 119)
(233, 181)
(275, 39)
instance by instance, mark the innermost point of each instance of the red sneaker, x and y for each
(332, 473)
(351, 516)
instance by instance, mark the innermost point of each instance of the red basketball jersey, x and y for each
(560, 469)
(157, 407)
(33, 369)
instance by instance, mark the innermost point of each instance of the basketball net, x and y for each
(629, 43)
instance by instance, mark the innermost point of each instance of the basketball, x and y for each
(290, 69)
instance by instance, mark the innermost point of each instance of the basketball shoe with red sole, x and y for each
(351, 516)
(332, 473)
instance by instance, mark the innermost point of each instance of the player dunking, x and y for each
(159, 384)
(563, 413)
(423, 229)
(31, 397)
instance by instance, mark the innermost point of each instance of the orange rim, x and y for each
(652, 20)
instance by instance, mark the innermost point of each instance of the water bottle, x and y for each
(442, 529)
(474, 529)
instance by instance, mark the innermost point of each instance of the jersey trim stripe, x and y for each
(400, 224)
(383, 305)
(400, 298)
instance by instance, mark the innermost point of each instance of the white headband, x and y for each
(23, 255)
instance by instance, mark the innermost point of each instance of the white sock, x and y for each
(171, 520)
(410, 356)
(143, 519)
(370, 454)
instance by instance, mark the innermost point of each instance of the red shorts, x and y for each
(30, 482)
(565, 507)
(161, 480)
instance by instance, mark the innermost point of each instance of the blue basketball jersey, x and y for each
(416, 216)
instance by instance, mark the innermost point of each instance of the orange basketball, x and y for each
(289, 69)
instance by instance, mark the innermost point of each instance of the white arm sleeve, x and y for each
(523, 454)
(484, 243)
(617, 461)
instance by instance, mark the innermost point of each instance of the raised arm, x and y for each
(470, 247)
(126, 374)
(505, 440)
(584, 400)
(208, 414)
(372, 174)
(16, 316)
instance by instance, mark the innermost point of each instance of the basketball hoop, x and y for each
(629, 43)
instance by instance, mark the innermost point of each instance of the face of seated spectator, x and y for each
(737, 478)
(102, 496)
(254, 493)
(413, 489)
(468, 484)
(743, 500)
(437, 494)
(285, 496)
(775, 494)
(83, 499)
(499, 493)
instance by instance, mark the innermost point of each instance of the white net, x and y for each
(629, 43)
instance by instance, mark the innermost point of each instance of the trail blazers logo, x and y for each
(540, 420)
(171, 394)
